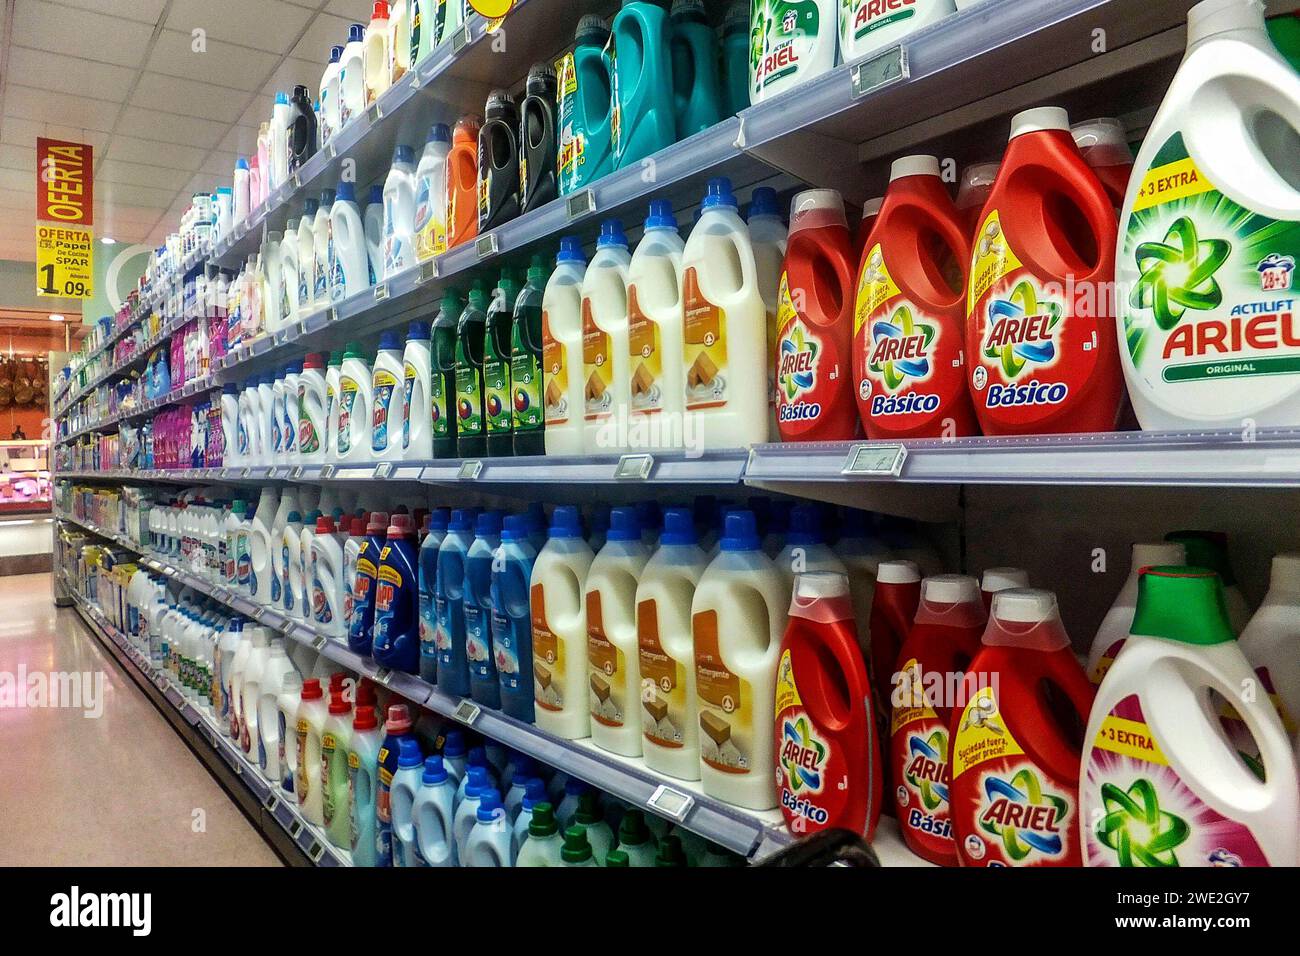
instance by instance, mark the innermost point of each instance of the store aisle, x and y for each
(117, 788)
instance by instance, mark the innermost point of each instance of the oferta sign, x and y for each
(65, 214)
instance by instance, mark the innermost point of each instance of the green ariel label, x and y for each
(781, 36)
(496, 388)
(438, 404)
(1206, 293)
(469, 399)
(868, 16)
(526, 390)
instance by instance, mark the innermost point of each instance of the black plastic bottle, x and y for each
(442, 388)
(302, 128)
(526, 364)
(471, 438)
(497, 335)
(538, 136)
(498, 162)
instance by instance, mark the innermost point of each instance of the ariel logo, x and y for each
(900, 346)
(1021, 329)
(1140, 833)
(1023, 816)
(927, 768)
(1178, 274)
(802, 755)
(797, 370)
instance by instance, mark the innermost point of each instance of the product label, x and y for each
(808, 367)
(286, 767)
(597, 366)
(324, 267)
(556, 376)
(469, 397)
(726, 704)
(1143, 813)
(865, 17)
(286, 576)
(704, 347)
(442, 635)
(607, 670)
(384, 384)
(320, 605)
(664, 706)
(610, 53)
(783, 34)
(301, 778)
(812, 781)
(306, 272)
(647, 361)
(548, 655)
(408, 390)
(328, 746)
(570, 150)
(348, 388)
(477, 639)
(308, 435)
(496, 388)
(505, 650)
(525, 390)
(438, 404)
(1207, 310)
(918, 761)
(1106, 660)
(430, 217)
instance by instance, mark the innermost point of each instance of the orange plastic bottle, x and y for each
(1040, 311)
(462, 182)
(1017, 742)
(931, 666)
(907, 324)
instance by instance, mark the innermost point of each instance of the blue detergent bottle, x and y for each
(396, 729)
(537, 524)
(476, 763)
(449, 604)
(735, 58)
(512, 623)
(397, 618)
(641, 66)
(697, 92)
(483, 684)
(361, 629)
(454, 755)
(586, 107)
(435, 533)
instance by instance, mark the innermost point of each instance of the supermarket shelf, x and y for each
(267, 802)
(144, 409)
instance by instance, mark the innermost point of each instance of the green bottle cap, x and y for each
(477, 297)
(537, 271)
(670, 852)
(239, 506)
(588, 812)
(451, 301)
(1184, 604)
(576, 849)
(543, 822)
(353, 350)
(1206, 549)
(617, 858)
(1284, 31)
(336, 357)
(633, 831)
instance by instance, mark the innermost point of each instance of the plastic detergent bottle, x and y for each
(476, 758)
(769, 238)
(351, 551)
(654, 315)
(399, 25)
(498, 331)
(451, 14)
(1162, 783)
(698, 101)
(289, 413)
(355, 402)
(870, 25)
(260, 576)
(734, 79)
(363, 782)
(1044, 355)
(349, 273)
(352, 75)
(861, 552)
(539, 134)
(449, 604)
(325, 578)
(994, 580)
(462, 182)
(230, 393)
(814, 335)
(336, 739)
(724, 329)
(406, 784)
(397, 625)
(372, 224)
(322, 248)
(378, 49)
(361, 626)
(1104, 146)
(466, 813)
(607, 387)
(586, 107)
(576, 851)
(972, 193)
(483, 684)
(388, 415)
(1216, 346)
(430, 225)
(636, 841)
(310, 411)
(435, 532)
(559, 620)
(641, 67)
(310, 723)
(425, 16)
(281, 113)
(828, 755)
(290, 544)
(399, 212)
(790, 43)
(669, 718)
(471, 440)
(940, 645)
(488, 843)
(1209, 549)
(542, 847)
(738, 616)
(614, 663)
(303, 136)
(288, 505)
(330, 113)
(805, 546)
(1117, 623)
(432, 814)
(498, 162)
(512, 638)
(442, 375)
(272, 300)
(1269, 640)
(588, 818)
(671, 853)
(908, 349)
(1016, 739)
(563, 382)
(396, 730)
(526, 349)
(287, 727)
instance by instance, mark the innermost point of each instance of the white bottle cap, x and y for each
(914, 166)
(1285, 575)
(1038, 119)
(950, 589)
(1155, 555)
(1211, 17)
(1024, 605)
(819, 585)
(872, 207)
(814, 208)
(897, 572)
(1000, 579)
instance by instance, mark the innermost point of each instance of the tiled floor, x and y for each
(119, 789)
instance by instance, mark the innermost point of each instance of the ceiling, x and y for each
(165, 121)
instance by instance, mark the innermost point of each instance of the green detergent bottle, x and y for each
(471, 438)
(585, 104)
(735, 58)
(697, 94)
(640, 55)
(497, 336)
(529, 414)
(442, 383)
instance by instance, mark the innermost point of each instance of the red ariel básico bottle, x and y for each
(908, 350)
(1017, 742)
(893, 609)
(928, 681)
(815, 323)
(1040, 319)
(827, 752)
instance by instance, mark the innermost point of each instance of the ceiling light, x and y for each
(55, 317)
(108, 241)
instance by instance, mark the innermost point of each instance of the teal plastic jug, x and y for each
(586, 104)
(641, 67)
(697, 94)
(735, 58)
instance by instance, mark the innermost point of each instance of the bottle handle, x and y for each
(1065, 673)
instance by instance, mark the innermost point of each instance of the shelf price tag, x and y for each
(318, 642)
(327, 471)
(374, 113)
(460, 40)
(470, 470)
(466, 712)
(670, 803)
(580, 204)
(634, 467)
(382, 675)
(884, 69)
(383, 470)
(428, 270)
(245, 472)
(271, 803)
(485, 246)
(296, 473)
(381, 291)
(295, 827)
(316, 851)
(875, 461)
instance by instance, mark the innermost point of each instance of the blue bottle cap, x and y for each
(313, 516)
(740, 531)
(403, 154)
(309, 207)
(534, 792)
(434, 771)
(623, 525)
(488, 524)
(489, 804)
(336, 53)
(439, 518)
(763, 202)
(573, 787)
(570, 250)
(241, 163)
(462, 519)
(718, 194)
(453, 745)
(294, 518)
(281, 99)
(566, 522)
(439, 133)
(357, 33)
(679, 527)
(230, 388)
(661, 215)
(224, 191)
(805, 525)
(514, 528)
(477, 757)
(389, 342)
(417, 332)
(326, 199)
(376, 195)
(408, 753)
(347, 192)
(611, 234)
(476, 781)
(293, 368)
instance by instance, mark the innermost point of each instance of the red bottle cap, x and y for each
(365, 719)
(399, 719)
(401, 527)
(324, 525)
(378, 522)
(338, 705)
(311, 689)
(358, 527)
(313, 360)
(380, 10)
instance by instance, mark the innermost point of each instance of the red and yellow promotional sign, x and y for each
(65, 213)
